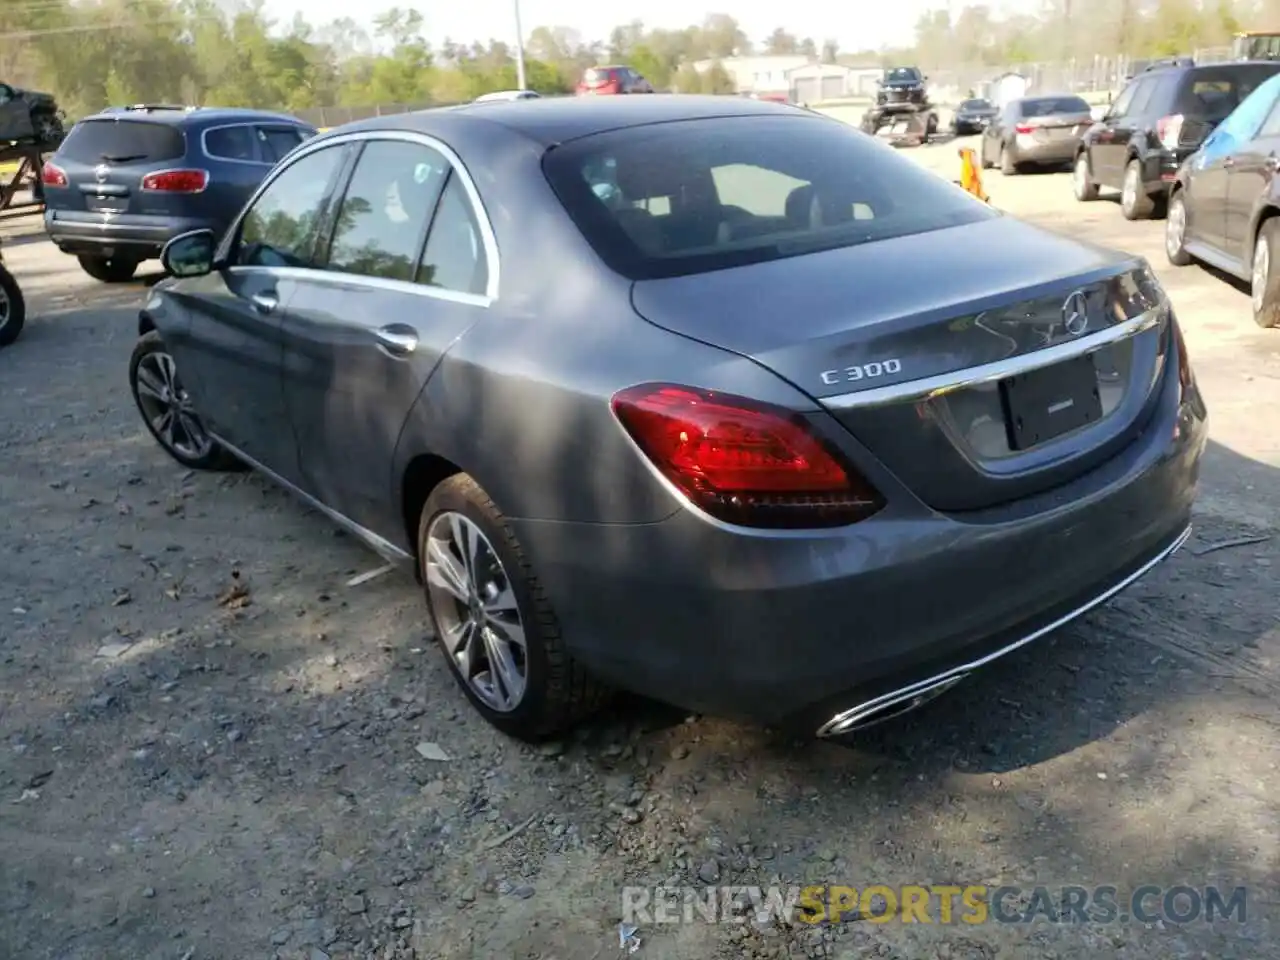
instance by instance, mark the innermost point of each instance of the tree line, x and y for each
(91, 53)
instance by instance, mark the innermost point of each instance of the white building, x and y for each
(1007, 87)
(800, 79)
(766, 74)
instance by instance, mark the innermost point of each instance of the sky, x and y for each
(854, 24)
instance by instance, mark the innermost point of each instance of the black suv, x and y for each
(1160, 118)
(127, 180)
(902, 91)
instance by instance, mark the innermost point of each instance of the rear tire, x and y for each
(47, 127)
(1135, 203)
(1007, 166)
(554, 692)
(1265, 286)
(1086, 190)
(15, 313)
(1175, 232)
(109, 270)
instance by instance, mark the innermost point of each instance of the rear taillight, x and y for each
(741, 461)
(1169, 131)
(1024, 128)
(176, 181)
(1185, 375)
(52, 175)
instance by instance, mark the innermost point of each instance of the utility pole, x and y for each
(520, 78)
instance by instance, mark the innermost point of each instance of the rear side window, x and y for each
(122, 141)
(278, 141)
(454, 258)
(231, 143)
(1212, 93)
(699, 195)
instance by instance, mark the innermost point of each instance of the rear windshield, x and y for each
(120, 141)
(596, 77)
(1212, 93)
(699, 195)
(1048, 106)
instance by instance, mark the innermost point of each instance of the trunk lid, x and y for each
(866, 330)
(106, 159)
(1056, 126)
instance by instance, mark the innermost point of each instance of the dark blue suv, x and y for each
(127, 180)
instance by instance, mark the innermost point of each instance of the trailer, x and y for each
(27, 159)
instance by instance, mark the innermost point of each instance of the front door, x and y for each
(1110, 141)
(1257, 161)
(406, 274)
(231, 352)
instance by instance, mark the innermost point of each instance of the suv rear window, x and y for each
(698, 195)
(93, 141)
(1211, 93)
(596, 78)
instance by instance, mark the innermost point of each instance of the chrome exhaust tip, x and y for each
(888, 706)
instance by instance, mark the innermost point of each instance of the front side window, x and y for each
(1121, 106)
(698, 195)
(383, 218)
(454, 258)
(281, 227)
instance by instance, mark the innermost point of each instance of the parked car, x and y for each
(972, 116)
(575, 413)
(1158, 120)
(28, 115)
(1035, 131)
(1226, 198)
(127, 180)
(501, 96)
(611, 81)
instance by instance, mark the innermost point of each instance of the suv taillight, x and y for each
(176, 181)
(741, 461)
(51, 175)
(1169, 131)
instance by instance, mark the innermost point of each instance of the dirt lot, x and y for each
(206, 766)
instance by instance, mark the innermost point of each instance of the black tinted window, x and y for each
(231, 143)
(1212, 93)
(278, 141)
(280, 228)
(1048, 106)
(900, 74)
(975, 105)
(93, 141)
(701, 195)
(384, 214)
(455, 258)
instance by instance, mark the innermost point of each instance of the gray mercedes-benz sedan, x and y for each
(715, 400)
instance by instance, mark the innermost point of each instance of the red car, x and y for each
(611, 81)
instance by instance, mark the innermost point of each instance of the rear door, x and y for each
(1257, 161)
(107, 159)
(362, 338)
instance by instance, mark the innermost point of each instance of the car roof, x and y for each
(201, 115)
(1202, 67)
(553, 120)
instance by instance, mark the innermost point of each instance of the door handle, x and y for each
(264, 302)
(397, 340)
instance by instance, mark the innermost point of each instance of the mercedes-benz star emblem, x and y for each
(101, 172)
(1075, 313)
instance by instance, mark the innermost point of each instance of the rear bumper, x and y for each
(798, 628)
(91, 234)
(1160, 170)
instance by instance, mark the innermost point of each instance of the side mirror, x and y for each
(189, 254)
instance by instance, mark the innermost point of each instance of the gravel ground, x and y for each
(213, 746)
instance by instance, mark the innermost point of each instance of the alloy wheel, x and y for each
(1175, 228)
(476, 611)
(1081, 177)
(1129, 194)
(1261, 272)
(168, 408)
(6, 307)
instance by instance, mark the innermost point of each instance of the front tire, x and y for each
(1175, 232)
(167, 411)
(13, 308)
(1265, 285)
(1135, 203)
(493, 621)
(109, 270)
(1082, 183)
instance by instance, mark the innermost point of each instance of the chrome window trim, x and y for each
(929, 388)
(487, 236)
(204, 144)
(339, 278)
